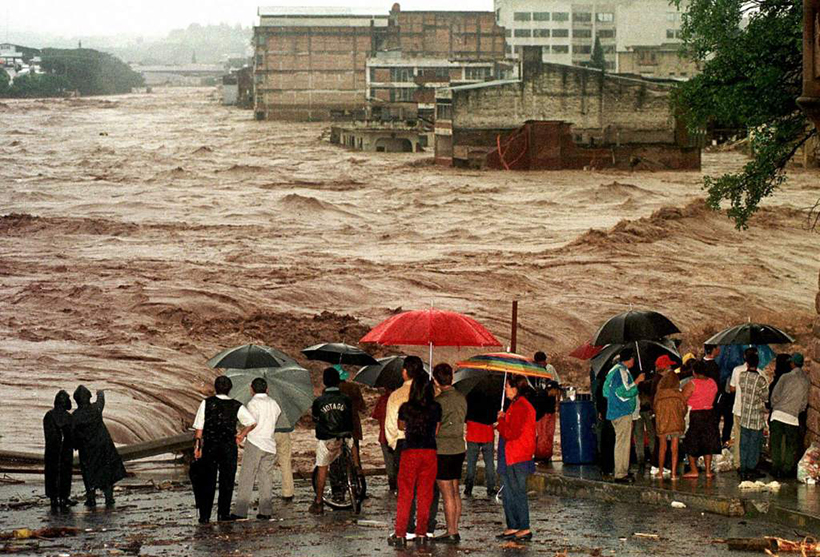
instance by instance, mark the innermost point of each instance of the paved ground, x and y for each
(149, 521)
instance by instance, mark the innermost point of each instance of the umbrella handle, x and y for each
(431, 359)
(503, 390)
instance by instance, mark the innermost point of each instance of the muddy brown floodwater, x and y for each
(141, 234)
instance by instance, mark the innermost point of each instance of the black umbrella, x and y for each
(339, 353)
(633, 325)
(384, 374)
(250, 356)
(751, 333)
(649, 350)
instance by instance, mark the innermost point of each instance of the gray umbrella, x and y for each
(385, 374)
(250, 356)
(289, 386)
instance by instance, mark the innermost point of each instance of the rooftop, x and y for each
(319, 11)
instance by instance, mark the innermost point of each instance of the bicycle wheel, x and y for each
(341, 503)
(354, 486)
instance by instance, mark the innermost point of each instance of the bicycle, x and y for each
(354, 490)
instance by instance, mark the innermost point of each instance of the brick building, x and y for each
(312, 63)
(624, 119)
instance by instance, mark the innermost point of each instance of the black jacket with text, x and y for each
(333, 414)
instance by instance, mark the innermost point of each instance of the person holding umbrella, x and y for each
(621, 393)
(260, 452)
(516, 427)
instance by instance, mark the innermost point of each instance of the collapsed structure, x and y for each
(558, 116)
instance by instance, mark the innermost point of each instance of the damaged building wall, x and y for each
(600, 107)
(446, 35)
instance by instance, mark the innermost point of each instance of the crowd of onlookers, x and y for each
(691, 411)
(672, 417)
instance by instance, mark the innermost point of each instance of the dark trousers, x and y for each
(606, 447)
(486, 450)
(514, 496)
(431, 514)
(751, 441)
(727, 402)
(784, 445)
(390, 466)
(219, 461)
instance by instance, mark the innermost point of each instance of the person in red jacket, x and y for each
(516, 426)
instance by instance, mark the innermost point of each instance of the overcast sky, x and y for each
(157, 17)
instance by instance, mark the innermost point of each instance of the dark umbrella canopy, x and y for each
(751, 333)
(479, 381)
(649, 350)
(634, 325)
(289, 386)
(385, 374)
(250, 356)
(339, 353)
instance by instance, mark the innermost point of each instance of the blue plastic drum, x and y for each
(578, 441)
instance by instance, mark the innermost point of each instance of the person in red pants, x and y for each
(420, 419)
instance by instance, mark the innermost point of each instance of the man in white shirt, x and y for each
(260, 453)
(216, 443)
(734, 387)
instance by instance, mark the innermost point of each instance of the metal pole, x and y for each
(514, 333)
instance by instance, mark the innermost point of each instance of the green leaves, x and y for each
(750, 54)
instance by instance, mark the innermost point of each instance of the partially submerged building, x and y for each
(560, 116)
(335, 63)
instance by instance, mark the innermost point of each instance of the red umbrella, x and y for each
(586, 351)
(431, 327)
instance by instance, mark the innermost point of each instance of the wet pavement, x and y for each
(162, 521)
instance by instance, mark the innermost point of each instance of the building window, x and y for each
(522, 16)
(260, 59)
(672, 17)
(609, 49)
(605, 17)
(560, 49)
(582, 49)
(560, 33)
(673, 34)
(498, 15)
(508, 32)
(609, 65)
(508, 49)
(478, 73)
(582, 33)
(444, 112)
(606, 33)
(560, 16)
(541, 16)
(404, 94)
(542, 33)
(583, 17)
(523, 33)
(401, 75)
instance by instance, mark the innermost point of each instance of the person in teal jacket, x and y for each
(622, 395)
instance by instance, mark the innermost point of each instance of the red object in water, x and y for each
(586, 351)
(431, 326)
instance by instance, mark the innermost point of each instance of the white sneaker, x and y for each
(410, 536)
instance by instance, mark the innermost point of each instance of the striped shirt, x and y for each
(754, 391)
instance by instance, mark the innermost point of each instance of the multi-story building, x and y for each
(658, 61)
(567, 30)
(318, 64)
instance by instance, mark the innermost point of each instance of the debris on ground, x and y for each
(771, 545)
(808, 469)
(646, 536)
(678, 505)
(747, 485)
(26, 533)
(6, 479)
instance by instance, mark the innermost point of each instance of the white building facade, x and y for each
(567, 30)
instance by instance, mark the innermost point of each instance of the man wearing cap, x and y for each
(621, 392)
(789, 398)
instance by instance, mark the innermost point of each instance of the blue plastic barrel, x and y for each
(578, 441)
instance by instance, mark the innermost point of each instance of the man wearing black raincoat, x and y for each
(59, 454)
(100, 462)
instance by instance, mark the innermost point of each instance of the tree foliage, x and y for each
(597, 60)
(85, 71)
(750, 53)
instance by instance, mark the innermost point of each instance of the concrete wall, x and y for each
(656, 62)
(623, 110)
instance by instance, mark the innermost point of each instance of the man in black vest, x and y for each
(216, 444)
